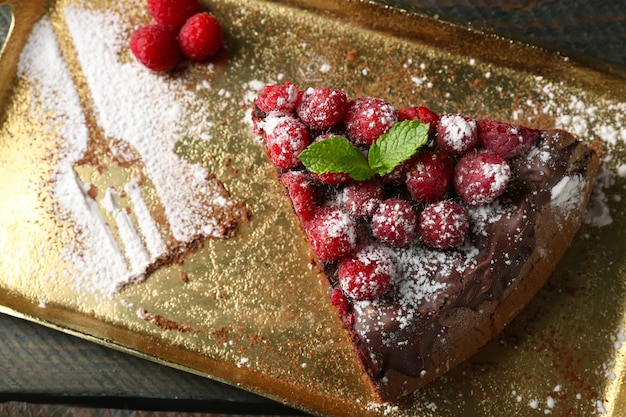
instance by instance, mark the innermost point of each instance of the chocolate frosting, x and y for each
(394, 337)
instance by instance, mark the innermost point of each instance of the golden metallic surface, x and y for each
(251, 310)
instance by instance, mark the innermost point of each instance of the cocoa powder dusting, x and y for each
(164, 323)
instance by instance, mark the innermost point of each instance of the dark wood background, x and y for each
(47, 373)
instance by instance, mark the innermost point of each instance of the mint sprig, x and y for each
(397, 145)
(336, 154)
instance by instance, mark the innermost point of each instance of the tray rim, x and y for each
(144, 346)
(460, 38)
(605, 66)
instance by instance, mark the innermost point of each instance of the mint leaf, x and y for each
(397, 145)
(336, 154)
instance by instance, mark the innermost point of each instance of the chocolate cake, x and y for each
(433, 230)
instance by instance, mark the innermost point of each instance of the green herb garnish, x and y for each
(336, 154)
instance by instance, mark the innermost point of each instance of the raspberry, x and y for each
(332, 233)
(155, 47)
(481, 176)
(430, 177)
(456, 134)
(394, 222)
(366, 275)
(200, 37)
(322, 108)
(172, 14)
(285, 138)
(506, 139)
(339, 300)
(301, 193)
(368, 118)
(332, 178)
(362, 198)
(281, 98)
(421, 113)
(443, 225)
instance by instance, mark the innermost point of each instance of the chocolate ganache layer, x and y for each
(400, 333)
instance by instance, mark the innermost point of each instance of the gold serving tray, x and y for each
(249, 310)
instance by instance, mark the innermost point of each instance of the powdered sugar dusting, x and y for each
(565, 193)
(499, 173)
(152, 117)
(418, 269)
(154, 241)
(457, 133)
(591, 118)
(384, 408)
(133, 246)
(420, 266)
(598, 213)
(340, 224)
(148, 118)
(54, 93)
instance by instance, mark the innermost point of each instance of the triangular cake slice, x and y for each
(433, 230)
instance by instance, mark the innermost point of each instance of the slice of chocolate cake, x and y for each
(434, 231)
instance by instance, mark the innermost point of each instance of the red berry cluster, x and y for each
(355, 224)
(181, 30)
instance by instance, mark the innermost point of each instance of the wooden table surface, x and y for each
(44, 372)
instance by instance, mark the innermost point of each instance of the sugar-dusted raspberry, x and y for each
(421, 113)
(506, 139)
(322, 108)
(430, 177)
(285, 138)
(172, 14)
(341, 303)
(200, 37)
(332, 178)
(301, 193)
(361, 198)
(368, 274)
(444, 224)
(456, 134)
(155, 47)
(394, 222)
(332, 232)
(481, 176)
(367, 118)
(282, 98)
